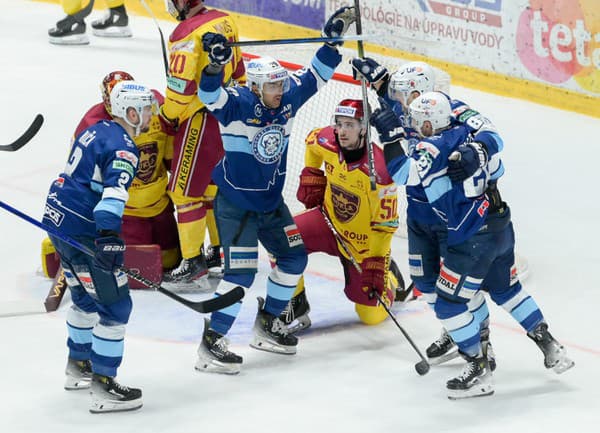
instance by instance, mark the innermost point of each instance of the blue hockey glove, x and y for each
(218, 52)
(369, 69)
(388, 125)
(466, 160)
(338, 23)
(109, 251)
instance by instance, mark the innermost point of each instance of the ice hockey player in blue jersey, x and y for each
(480, 237)
(86, 202)
(426, 235)
(255, 125)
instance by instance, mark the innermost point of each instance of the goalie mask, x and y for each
(180, 8)
(268, 76)
(109, 81)
(130, 94)
(432, 107)
(411, 77)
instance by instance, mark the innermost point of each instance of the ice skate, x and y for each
(214, 261)
(296, 311)
(68, 31)
(110, 396)
(190, 276)
(555, 355)
(271, 334)
(78, 375)
(115, 24)
(441, 350)
(213, 353)
(474, 381)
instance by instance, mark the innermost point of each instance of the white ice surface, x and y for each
(346, 377)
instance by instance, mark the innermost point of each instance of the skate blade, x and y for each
(270, 346)
(563, 366)
(81, 39)
(104, 406)
(72, 384)
(451, 354)
(482, 388)
(113, 32)
(302, 322)
(213, 366)
(200, 285)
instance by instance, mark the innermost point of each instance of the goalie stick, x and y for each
(206, 306)
(422, 366)
(26, 136)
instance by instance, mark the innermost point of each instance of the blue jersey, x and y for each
(463, 207)
(90, 194)
(255, 138)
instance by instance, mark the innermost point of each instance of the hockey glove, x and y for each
(218, 53)
(373, 274)
(311, 191)
(368, 69)
(464, 162)
(338, 24)
(169, 126)
(388, 125)
(109, 251)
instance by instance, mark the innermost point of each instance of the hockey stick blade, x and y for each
(299, 41)
(26, 137)
(205, 306)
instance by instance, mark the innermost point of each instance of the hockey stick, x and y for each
(365, 98)
(206, 306)
(297, 41)
(422, 366)
(162, 37)
(26, 136)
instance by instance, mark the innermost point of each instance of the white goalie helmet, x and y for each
(411, 77)
(432, 107)
(131, 94)
(266, 70)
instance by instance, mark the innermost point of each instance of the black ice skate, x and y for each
(110, 396)
(214, 261)
(474, 381)
(115, 24)
(69, 31)
(271, 334)
(214, 355)
(78, 375)
(555, 355)
(441, 350)
(190, 276)
(296, 310)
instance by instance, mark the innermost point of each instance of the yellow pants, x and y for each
(71, 7)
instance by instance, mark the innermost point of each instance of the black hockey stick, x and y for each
(162, 37)
(291, 41)
(422, 366)
(26, 136)
(206, 306)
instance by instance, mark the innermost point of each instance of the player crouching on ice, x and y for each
(256, 122)
(479, 250)
(363, 220)
(86, 202)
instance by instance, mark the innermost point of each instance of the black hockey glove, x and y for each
(218, 53)
(466, 160)
(387, 124)
(109, 251)
(369, 69)
(338, 23)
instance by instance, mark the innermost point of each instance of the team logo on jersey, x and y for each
(258, 111)
(293, 235)
(54, 215)
(148, 158)
(86, 138)
(345, 204)
(268, 145)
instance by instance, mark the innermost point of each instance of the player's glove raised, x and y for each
(215, 45)
(311, 190)
(338, 23)
(466, 160)
(373, 274)
(387, 124)
(109, 252)
(368, 69)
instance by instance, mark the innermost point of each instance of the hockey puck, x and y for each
(422, 368)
